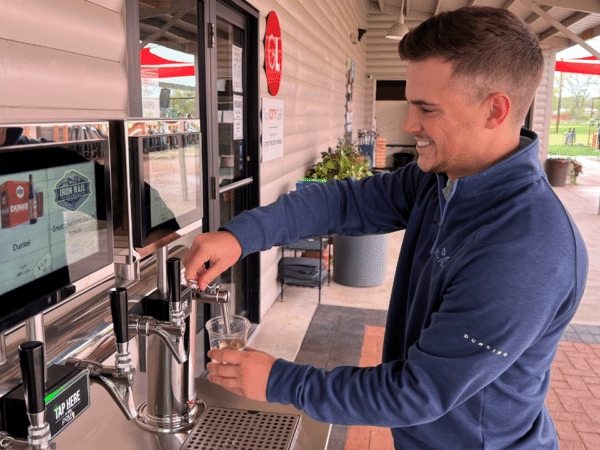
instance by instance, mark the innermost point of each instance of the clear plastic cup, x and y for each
(219, 338)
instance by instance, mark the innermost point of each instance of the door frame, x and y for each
(231, 10)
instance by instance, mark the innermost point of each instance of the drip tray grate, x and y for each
(240, 429)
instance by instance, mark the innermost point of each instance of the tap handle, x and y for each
(174, 280)
(31, 356)
(118, 308)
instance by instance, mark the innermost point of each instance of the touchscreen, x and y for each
(48, 221)
(166, 176)
(171, 172)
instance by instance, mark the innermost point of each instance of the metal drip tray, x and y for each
(240, 429)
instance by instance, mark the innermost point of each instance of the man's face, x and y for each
(448, 126)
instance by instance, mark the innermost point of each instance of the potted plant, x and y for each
(343, 161)
(359, 260)
(575, 168)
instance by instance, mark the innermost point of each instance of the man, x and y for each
(491, 270)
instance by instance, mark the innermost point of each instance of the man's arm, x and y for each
(499, 318)
(376, 204)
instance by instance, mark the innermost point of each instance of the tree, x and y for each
(578, 85)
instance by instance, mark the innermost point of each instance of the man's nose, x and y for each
(411, 123)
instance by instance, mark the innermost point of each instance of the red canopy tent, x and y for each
(165, 68)
(588, 65)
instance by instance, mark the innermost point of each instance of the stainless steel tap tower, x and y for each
(167, 355)
(167, 331)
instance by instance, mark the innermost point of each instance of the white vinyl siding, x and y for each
(316, 47)
(541, 116)
(62, 60)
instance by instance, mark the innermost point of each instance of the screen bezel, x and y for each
(36, 296)
(143, 232)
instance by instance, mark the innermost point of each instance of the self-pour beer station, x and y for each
(99, 332)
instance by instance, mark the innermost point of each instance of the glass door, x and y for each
(237, 158)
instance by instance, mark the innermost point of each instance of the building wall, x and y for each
(62, 60)
(542, 103)
(316, 47)
(390, 116)
(384, 64)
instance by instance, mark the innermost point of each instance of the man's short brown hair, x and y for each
(491, 48)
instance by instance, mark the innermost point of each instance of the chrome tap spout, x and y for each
(8, 442)
(117, 382)
(171, 334)
(212, 294)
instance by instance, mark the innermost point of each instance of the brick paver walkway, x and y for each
(370, 438)
(573, 398)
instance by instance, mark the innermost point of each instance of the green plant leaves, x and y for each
(344, 161)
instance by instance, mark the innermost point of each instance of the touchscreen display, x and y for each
(166, 176)
(170, 172)
(49, 220)
(54, 215)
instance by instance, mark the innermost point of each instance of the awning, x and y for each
(588, 65)
(165, 68)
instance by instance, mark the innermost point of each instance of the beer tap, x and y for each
(169, 361)
(31, 356)
(170, 330)
(176, 307)
(168, 333)
(119, 311)
(213, 294)
(117, 380)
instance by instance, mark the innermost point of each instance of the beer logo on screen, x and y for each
(72, 190)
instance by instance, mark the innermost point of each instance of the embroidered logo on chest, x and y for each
(441, 257)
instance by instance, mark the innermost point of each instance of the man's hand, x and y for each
(246, 373)
(221, 249)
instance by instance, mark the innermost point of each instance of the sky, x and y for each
(578, 51)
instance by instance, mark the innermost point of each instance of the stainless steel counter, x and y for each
(103, 426)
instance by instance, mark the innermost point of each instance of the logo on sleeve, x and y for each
(486, 346)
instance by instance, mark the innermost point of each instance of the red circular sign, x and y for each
(273, 53)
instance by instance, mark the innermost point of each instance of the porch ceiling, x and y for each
(559, 24)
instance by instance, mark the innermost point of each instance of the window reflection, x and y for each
(169, 58)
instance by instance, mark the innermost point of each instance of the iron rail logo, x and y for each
(72, 190)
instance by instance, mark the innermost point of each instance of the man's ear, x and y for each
(498, 109)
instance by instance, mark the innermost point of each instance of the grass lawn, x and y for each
(584, 137)
(570, 150)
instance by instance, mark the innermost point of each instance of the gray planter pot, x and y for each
(360, 261)
(557, 171)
